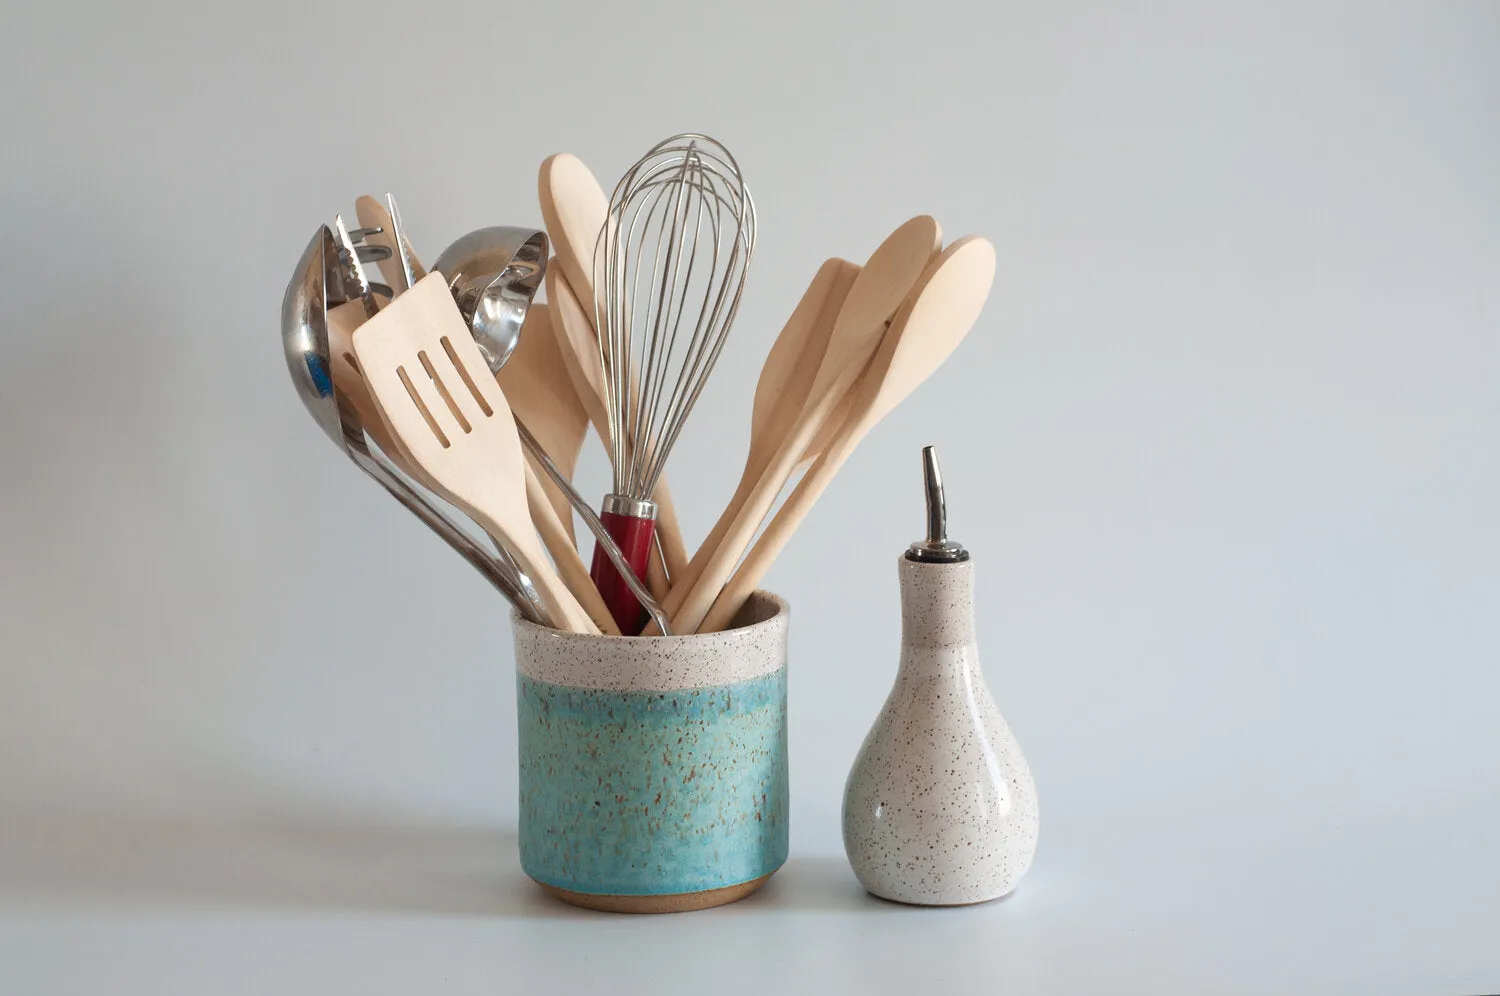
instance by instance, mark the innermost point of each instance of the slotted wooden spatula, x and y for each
(431, 382)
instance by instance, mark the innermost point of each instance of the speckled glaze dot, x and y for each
(940, 808)
(654, 769)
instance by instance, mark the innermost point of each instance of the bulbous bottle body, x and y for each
(940, 808)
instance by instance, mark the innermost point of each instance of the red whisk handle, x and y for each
(632, 523)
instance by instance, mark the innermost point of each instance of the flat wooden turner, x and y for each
(430, 380)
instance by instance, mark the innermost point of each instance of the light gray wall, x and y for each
(1226, 440)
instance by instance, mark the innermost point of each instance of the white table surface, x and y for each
(1210, 887)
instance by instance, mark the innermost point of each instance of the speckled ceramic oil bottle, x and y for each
(940, 808)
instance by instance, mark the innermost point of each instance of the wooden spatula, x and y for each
(924, 333)
(884, 282)
(439, 398)
(345, 319)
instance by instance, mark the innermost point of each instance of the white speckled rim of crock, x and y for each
(657, 663)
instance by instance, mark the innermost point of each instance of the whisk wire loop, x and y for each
(670, 263)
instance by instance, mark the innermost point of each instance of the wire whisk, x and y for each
(669, 271)
(671, 261)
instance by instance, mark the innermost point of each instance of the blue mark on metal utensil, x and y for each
(320, 378)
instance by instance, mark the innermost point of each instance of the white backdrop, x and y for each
(1225, 443)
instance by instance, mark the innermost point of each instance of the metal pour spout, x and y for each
(936, 548)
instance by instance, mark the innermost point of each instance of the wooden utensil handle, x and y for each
(752, 513)
(673, 549)
(683, 582)
(789, 373)
(774, 539)
(555, 497)
(934, 320)
(565, 555)
(529, 556)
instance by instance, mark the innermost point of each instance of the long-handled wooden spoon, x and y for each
(785, 379)
(574, 210)
(425, 371)
(884, 282)
(924, 333)
(578, 349)
(536, 383)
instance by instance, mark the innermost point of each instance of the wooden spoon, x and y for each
(785, 380)
(923, 334)
(578, 349)
(536, 383)
(882, 285)
(574, 210)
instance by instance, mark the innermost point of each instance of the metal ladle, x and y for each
(319, 280)
(493, 274)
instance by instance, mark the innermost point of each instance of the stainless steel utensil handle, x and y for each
(480, 559)
(601, 534)
(530, 599)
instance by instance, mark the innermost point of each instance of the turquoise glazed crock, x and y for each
(654, 769)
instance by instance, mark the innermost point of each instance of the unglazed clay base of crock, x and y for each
(654, 769)
(681, 902)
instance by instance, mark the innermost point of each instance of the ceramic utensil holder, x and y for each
(654, 769)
